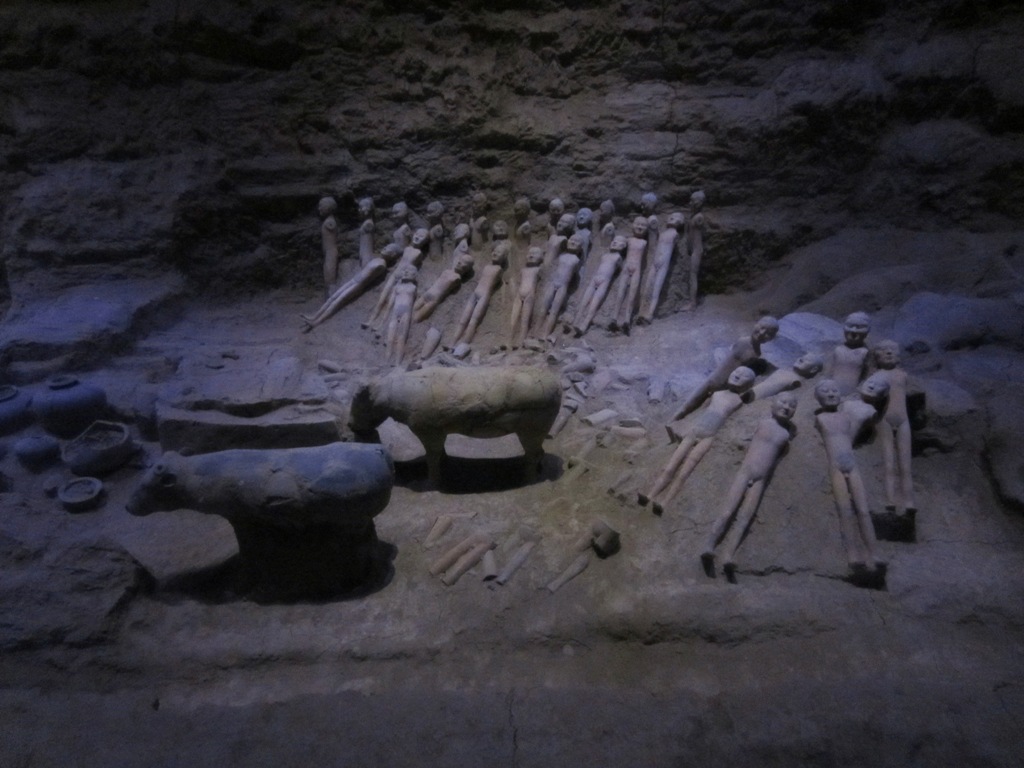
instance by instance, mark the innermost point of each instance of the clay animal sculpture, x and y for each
(478, 402)
(303, 516)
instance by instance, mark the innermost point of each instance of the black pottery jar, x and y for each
(67, 406)
(14, 409)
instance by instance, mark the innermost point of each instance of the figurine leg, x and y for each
(888, 440)
(848, 527)
(903, 450)
(664, 477)
(700, 449)
(744, 517)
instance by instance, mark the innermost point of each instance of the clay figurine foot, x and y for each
(707, 559)
(643, 320)
(656, 508)
(642, 498)
(729, 569)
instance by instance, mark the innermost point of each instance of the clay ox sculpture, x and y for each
(327, 207)
(744, 351)
(695, 445)
(597, 288)
(838, 422)
(629, 281)
(303, 516)
(694, 240)
(477, 402)
(526, 296)
(848, 364)
(770, 440)
(894, 430)
(664, 250)
(354, 287)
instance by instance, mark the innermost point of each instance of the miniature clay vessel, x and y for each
(100, 449)
(37, 452)
(15, 410)
(68, 405)
(81, 494)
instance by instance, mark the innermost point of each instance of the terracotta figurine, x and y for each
(412, 255)
(354, 287)
(366, 230)
(435, 224)
(327, 207)
(599, 284)
(445, 285)
(403, 231)
(490, 278)
(664, 250)
(694, 244)
(807, 366)
(629, 281)
(849, 361)
(556, 287)
(400, 318)
(894, 430)
(526, 296)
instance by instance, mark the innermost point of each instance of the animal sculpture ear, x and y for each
(167, 478)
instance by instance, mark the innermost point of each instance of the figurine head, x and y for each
(400, 211)
(584, 218)
(499, 230)
(741, 379)
(566, 223)
(435, 211)
(874, 388)
(676, 220)
(326, 207)
(856, 328)
(463, 263)
(534, 257)
(828, 395)
(521, 208)
(784, 406)
(390, 253)
(500, 252)
(574, 244)
(556, 207)
(887, 354)
(648, 201)
(697, 200)
(365, 207)
(809, 365)
(479, 201)
(639, 227)
(420, 238)
(606, 210)
(618, 243)
(461, 232)
(765, 329)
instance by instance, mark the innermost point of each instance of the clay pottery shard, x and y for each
(81, 494)
(100, 449)
(67, 405)
(37, 452)
(14, 409)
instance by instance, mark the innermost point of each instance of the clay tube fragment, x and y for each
(515, 562)
(440, 527)
(467, 561)
(575, 568)
(445, 561)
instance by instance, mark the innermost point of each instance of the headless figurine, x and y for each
(894, 430)
(769, 442)
(695, 445)
(366, 230)
(490, 278)
(403, 232)
(599, 284)
(444, 286)
(412, 255)
(744, 351)
(807, 366)
(664, 250)
(838, 423)
(435, 224)
(400, 317)
(632, 272)
(849, 361)
(354, 287)
(526, 296)
(694, 243)
(327, 207)
(556, 288)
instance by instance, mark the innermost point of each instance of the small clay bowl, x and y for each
(81, 494)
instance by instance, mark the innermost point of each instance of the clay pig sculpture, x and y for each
(477, 402)
(303, 516)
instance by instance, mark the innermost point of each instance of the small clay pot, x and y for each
(67, 406)
(37, 452)
(15, 410)
(81, 494)
(99, 450)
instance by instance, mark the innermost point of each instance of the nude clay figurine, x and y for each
(403, 232)
(526, 296)
(354, 287)
(556, 241)
(435, 224)
(412, 255)
(599, 284)
(769, 442)
(400, 318)
(807, 366)
(490, 279)
(722, 404)
(480, 225)
(849, 361)
(326, 208)
(585, 229)
(629, 281)
(366, 230)
(444, 286)
(556, 287)
(648, 206)
(694, 244)
(838, 423)
(606, 223)
(556, 209)
(894, 430)
(664, 250)
(744, 351)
